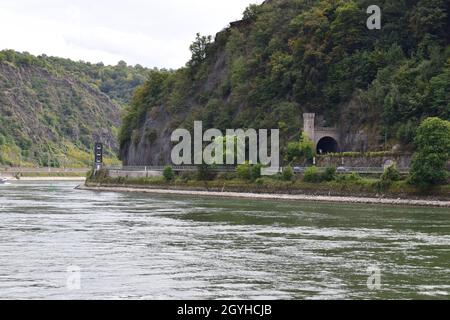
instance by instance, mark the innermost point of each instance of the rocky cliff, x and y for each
(285, 58)
(51, 111)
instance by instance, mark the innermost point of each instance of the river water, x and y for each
(61, 243)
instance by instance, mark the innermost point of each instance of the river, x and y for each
(60, 243)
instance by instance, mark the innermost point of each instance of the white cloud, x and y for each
(152, 33)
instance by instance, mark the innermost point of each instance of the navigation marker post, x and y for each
(98, 153)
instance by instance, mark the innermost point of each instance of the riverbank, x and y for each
(50, 179)
(265, 196)
(44, 178)
(43, 174)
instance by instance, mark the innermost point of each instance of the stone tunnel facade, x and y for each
(326, 139)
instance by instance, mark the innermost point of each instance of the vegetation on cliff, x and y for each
(289, 57)
(52, 109)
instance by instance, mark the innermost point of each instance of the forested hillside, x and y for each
(289, 57)
(52, 109)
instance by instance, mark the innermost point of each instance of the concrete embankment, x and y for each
(12, 178)
(336, 199)
(50, 179)
(43, 174)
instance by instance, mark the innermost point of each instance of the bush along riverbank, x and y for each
(428, 179)
(247, 179)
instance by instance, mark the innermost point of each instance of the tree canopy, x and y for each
(429, 165)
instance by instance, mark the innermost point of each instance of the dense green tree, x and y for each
(199, 49)
(300, 151)
(429, 166)
(440, 93)
(430, 17)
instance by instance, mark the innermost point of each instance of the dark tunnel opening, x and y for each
(327, 145)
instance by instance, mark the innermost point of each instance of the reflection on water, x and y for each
(158, 247)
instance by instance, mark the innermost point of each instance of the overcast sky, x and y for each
(153, 33)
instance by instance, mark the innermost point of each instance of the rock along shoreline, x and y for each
(266, 196)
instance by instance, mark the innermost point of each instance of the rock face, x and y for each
(150, 151)
(289, 58)
(42, 113)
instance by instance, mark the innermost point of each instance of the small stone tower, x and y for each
(326, 139)
(309, 125)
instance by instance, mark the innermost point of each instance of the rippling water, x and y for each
(157, 247)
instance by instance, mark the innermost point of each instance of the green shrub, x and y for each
(391, 174)
(204, 173)
(136, 137)
(89, 174)
(259, 182)
(307, 147)
(311, 175)
(293, 152)
(244, 171)
(168, 173)
(329, 174)
(288, 173)
(249, 172)
(383, 185)
(352, 177)
(187, 175)
(226, 176)
(100, 175)
(151, 135)
(256, 171)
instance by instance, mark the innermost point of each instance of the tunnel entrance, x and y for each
(327, 145)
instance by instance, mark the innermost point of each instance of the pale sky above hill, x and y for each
(153, 33)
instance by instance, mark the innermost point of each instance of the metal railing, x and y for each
(363, 170)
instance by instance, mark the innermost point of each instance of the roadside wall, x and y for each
(133, 174)
(402, 161)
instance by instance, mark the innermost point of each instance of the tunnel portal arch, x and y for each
(327, 145)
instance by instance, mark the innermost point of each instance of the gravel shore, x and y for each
(363, 200)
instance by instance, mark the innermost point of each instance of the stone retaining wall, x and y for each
(402, 161)
(133, 174)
